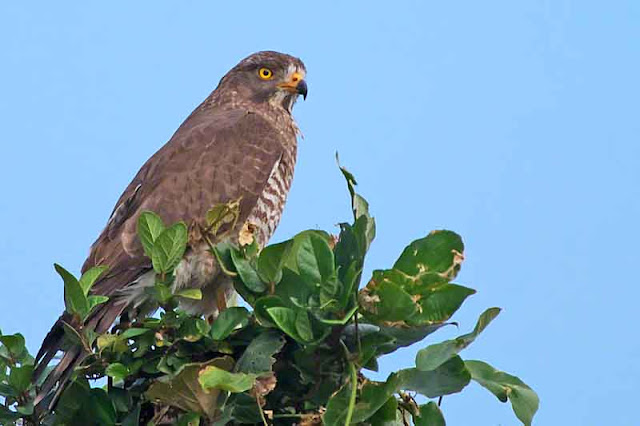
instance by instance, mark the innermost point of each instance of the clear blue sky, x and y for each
(515, 124)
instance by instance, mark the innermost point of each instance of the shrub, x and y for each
(297, 356)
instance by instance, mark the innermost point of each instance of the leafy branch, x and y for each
(297, 354)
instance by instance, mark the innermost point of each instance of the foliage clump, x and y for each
(297, 356)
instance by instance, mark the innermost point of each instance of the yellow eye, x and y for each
(265, 73)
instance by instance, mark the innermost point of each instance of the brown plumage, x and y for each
(240, 143)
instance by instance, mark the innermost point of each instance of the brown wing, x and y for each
(211, 159)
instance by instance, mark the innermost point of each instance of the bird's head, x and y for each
(271, 77)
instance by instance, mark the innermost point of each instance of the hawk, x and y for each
(240, 143)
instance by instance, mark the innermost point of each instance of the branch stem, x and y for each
(264, 420)
(354, 392)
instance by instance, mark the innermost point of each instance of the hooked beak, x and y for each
(296, 84)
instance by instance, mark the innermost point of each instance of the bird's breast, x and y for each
(268, 210)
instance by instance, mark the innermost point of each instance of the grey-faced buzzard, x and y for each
(239, 144)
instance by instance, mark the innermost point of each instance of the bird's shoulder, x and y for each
(213, 157)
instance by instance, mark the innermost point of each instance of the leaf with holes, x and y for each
(440, 303)
(440, 252)
(258, 357)
(184, 391)
(387, 301)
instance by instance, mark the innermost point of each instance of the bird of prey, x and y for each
(240, 143)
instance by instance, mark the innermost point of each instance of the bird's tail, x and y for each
(54, 382)
(55, 341)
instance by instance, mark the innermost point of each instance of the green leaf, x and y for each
(161, 292)
(193, 329)
(72, 401)
(74, 298)
(7, 417)
(133, 418)
(89, 278)
(330, 292)
(79, 403)
(150, 226)
(184, 391)
(7, 391)
(169, 247)
(349, 251)
(373, 396)
(337, 407)
(223, 215)
(340, 321)
(504, 386)
(387, 301)
(300, 239)
(133, 332)
(314, 258)
(364, 227)
(441, 303)
(303, 326)
(285, 319)
(241, 409)
(260, 307)
(440, 252)
(213, 377)
(227, 321)
(354, 241)
(450, 377)
(190, 293)
(90, 335)
(359, 204)
(100, 408)
(106, 340)
(407, 336)
(368, 343)
(93, 301)
(430, 415)
(386, 415)
(297, 293)
(271, 261)
(117, 371)
(15, 344)
(121, 399)
(189, 419)
(257, 358)
(433, 356)
(247, 272)
(222, 252)
(350, 279)
(73, 335)
(25, 409)
(20, 377)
